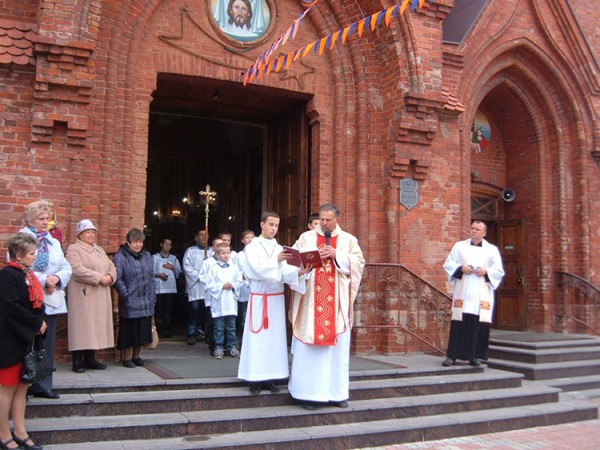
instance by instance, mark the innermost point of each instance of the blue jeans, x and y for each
(208, 329)
(224, 326)
(195, 310)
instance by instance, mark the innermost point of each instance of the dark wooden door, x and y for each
(511, 303)
(288, 171)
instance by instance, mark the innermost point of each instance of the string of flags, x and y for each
(264, 64)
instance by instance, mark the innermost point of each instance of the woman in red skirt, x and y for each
(21, 306)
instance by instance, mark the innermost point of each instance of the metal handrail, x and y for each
(586, 290)
(575, 319)
(391, 296)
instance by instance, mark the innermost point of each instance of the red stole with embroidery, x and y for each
(325, 295)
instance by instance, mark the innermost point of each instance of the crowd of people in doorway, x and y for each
(236, 304)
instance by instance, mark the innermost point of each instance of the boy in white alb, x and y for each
(203, 277)
(244, 295)
(264, 346)
(223, 282)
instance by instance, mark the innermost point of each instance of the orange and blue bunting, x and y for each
(264, 65)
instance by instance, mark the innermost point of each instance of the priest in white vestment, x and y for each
(322, 316)
(474, 268)
(264, 355)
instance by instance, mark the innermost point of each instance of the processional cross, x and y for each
(209, 198)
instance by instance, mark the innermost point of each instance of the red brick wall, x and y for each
(16, 98)
(21, 11)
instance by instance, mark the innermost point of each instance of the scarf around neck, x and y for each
(41, 262)
(36, 293)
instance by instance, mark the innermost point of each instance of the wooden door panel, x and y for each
(287, 167)
(510, 296)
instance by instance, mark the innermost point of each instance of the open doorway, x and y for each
(186, 153)
(250, 144)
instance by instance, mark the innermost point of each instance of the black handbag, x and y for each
(36, 363)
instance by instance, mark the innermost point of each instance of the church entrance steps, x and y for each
(321, 434)
(551, 355)
(387, 406)
(568, 362)
(227, 397)
(588, 383)
(548, 371)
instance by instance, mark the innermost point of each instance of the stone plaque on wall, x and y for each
(409, 193)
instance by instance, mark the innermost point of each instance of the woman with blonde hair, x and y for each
(54, 273)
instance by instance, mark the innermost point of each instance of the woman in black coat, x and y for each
(137, 296)
(21, 306)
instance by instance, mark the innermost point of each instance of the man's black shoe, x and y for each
(49, 394)
(309, 406)
(269, 385)
(255, 388)
(475, 362)
(342, 404)
(448, 362)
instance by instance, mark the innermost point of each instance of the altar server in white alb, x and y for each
(322, 316)
(264, 344)
(474, 268)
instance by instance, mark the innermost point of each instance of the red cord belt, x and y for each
(265, 308)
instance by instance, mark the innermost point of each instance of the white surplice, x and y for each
(264, 353)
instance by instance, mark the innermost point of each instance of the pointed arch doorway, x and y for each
(250, 144)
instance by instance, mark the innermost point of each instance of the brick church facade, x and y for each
(122, 111)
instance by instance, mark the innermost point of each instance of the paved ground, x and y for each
(575, 436)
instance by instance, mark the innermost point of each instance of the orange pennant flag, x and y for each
(259, 71)
(374, 21)
(388, 15)
(334, 38)
(404, 5)
(290, 56)
(345, 34)
(361, 26)
(279, 62)
(269, 68)
(308, 48)
(322, 45)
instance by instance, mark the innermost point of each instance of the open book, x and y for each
(309, 257)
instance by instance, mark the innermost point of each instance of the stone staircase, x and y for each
(568, 362)
(420, 401)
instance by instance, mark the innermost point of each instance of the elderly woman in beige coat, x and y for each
(90, 316)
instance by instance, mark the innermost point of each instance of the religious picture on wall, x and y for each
(242, 20)
(481, 133)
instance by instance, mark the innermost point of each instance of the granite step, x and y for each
(113, 384)
(545, 371)
(576, 383)
(557, 343)
(550, 355)
(357, 434)
(81, 429)
(231, 395)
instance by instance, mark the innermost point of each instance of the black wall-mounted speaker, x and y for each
(508, 195)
